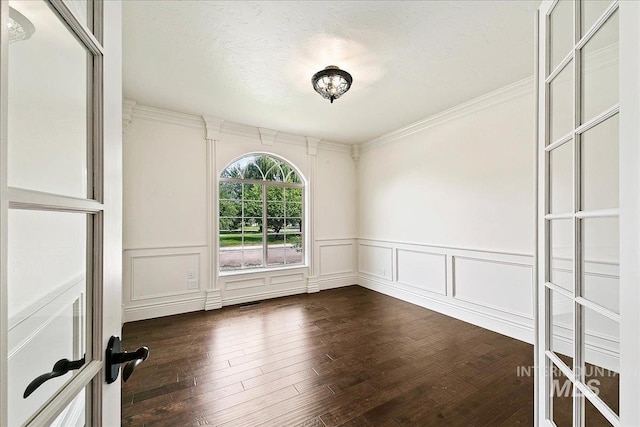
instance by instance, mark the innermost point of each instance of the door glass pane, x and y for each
(561, 179)
(562, 398)
(561, 32)
(602, 357)
(561, 253)
(593, 417)
(80, 9)
(591, 11)
(561, 315)
(601, 263)
(600, 70)
(74, 415)
(600, 166)
(47, 105)
(561, 104)
(47, 297)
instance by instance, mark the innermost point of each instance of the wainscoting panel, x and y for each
(164, 281)
(501, 286)
(422, 270)
(243, 287)
(338, 263)
(376, 260)
(489, 289)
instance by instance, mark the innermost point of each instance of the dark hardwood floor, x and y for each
(348, 356)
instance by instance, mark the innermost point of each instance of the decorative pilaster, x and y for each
(212, 136)
(312, 153)
(127, 113)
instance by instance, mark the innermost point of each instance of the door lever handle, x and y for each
(114, 357)
(60, 368)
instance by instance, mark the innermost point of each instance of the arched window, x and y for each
(261, 214)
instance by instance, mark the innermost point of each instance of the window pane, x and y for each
(275, 210)
(47, 105)
(252, 209)
(230, 191)
(229, 227)
(561, 253)
(600, 70)
(591, 11)
(294, 210)
(600, 171)
(561, 104)
(293, 245)
(602, 357)
(293, 225)
(562, 395)
(47, 302)
(275, 193)
(561, 315)
(561, 179)
(560, 33)
(293, 195)
(276, 250)
(601, 263)
(230, 208)
(252, 248)
(252, 192)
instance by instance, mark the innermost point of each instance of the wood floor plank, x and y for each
(348, 357)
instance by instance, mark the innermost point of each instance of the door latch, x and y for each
(114, 357)
(60, 368)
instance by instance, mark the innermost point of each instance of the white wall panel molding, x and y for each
(498, 285)
(488, 100)
(490, 289)
(158, 276)
(336, 257)
(496, 322)
(425, 271)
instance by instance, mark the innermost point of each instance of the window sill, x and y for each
(228, 273)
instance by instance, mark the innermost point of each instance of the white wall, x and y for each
(169, 218)
(446, 212)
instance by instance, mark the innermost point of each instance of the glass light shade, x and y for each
(332, 82)
(20, 28)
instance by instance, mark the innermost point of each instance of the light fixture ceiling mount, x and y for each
(332, 82)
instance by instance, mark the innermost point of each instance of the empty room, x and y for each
(320, 213)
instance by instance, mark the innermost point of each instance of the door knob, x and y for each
(60, 368)
(115, 357)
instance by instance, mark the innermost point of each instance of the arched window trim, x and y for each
(290, 259)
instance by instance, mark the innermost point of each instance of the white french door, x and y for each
(52, 213)
(583, 164)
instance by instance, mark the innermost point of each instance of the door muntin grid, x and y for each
(566, 278)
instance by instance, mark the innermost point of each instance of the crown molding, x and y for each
(209, 124)
(166, 116)
(127, 113)
(480, 103)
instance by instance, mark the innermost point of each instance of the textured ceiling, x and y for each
(251, 62)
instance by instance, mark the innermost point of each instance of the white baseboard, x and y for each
(262, 296)
(337, 282)
(161, 309)
(485, 320)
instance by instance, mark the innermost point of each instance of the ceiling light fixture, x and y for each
(332, 82)
(20, 28)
